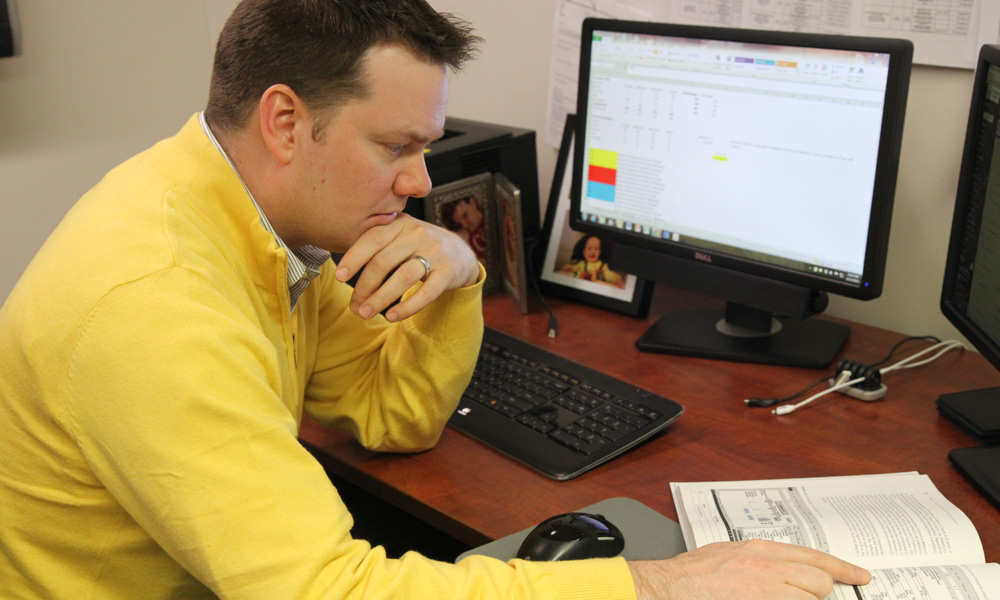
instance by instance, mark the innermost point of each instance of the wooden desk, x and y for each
(477, 495)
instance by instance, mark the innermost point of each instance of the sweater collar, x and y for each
(303, 263)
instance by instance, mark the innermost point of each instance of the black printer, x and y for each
(469, 148)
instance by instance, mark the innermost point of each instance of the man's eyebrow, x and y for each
(421, 139)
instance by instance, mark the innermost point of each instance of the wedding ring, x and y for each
(426, 263)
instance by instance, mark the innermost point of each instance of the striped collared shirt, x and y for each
(303, 262)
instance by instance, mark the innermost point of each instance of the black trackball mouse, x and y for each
(572, 536)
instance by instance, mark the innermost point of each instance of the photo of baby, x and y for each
(590, 260)
(581, 266)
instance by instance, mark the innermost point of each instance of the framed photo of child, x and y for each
(580, 266)
(514, 267)
(466, 207)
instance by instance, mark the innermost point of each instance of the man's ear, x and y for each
(282, 121)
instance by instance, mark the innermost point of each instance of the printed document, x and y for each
(915, 542)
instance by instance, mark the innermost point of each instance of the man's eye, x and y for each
(395, 148)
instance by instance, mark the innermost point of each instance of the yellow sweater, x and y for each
(152, 382)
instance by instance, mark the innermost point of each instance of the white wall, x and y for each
(95, 83)
(100, 81)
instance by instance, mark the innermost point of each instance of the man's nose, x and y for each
(414, 180)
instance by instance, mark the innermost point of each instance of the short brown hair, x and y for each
(317, 47)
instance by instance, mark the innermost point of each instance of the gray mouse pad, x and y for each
(648, 534)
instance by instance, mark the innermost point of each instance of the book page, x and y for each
(971, 582)
(878, 521)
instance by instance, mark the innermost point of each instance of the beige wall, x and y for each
(99, 81)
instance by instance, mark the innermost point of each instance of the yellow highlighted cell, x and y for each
(603, 158)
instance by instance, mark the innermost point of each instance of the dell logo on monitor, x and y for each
(703, 257)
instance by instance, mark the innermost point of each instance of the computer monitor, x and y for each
(970, 296)
(758, 167)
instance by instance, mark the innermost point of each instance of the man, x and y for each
(157, 355)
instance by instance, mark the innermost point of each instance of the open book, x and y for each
(914, 541)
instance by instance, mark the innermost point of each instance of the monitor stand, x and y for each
(744, 334)
(981, 466)
(977, 412)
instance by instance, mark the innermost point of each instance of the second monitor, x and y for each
(758, 167)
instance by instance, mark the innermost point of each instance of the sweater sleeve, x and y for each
(393, 386)
(171, 398)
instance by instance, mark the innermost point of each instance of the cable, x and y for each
(843, 378)
(942, 348)
(769, 402)
(900, 343)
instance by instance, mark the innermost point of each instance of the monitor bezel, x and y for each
(989, 348)
(883, 193)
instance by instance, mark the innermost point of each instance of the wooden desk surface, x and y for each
(477, 495)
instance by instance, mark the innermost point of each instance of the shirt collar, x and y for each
(304, 262)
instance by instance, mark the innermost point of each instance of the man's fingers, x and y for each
(366, 248)
(810, 570)
(840, 570)
(754, 569)
(374, 295)
(428, 291)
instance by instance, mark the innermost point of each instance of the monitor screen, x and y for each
(970, 296)
(758, 167)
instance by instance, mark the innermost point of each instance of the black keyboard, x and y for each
(554, 415)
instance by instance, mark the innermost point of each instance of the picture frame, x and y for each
(511, 233)
(466, 207)
(560, 273)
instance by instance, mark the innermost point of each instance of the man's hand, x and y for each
(753, 570)
(387, 255)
